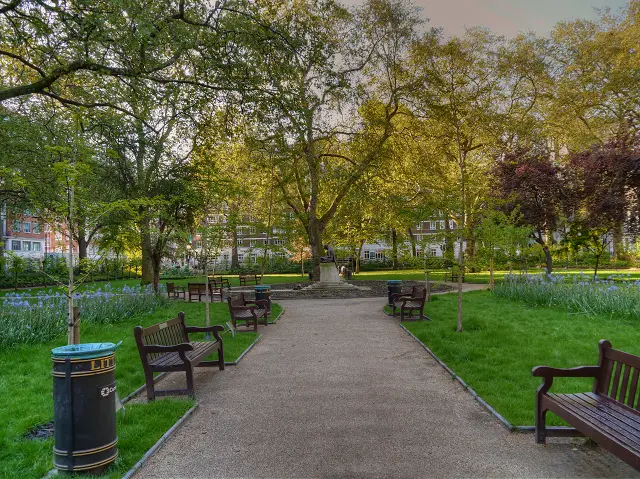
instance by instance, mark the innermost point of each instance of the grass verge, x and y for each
(26, 385)
(503, 340)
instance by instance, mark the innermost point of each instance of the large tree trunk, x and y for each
(449, 253)
(155, 264)
(234, 249)
(315, 241)
(83, 245)
(412, 240)
(548, 258)
(147, 252)
(618, 247)
(394, 249)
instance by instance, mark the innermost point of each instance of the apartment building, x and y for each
(26, 235)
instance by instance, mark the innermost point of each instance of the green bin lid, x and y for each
(264, 286)
(394, 281)
(84, 351)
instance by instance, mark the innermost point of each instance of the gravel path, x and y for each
(337, 389)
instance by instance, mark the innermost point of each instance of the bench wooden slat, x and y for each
(607, 403)
(589, 413)
(633, 388)
(624, 384)
(616, 381)
(602, 405)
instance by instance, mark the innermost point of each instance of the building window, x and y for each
(278, 254)
(451, 224)
(239, 242)
(16, 226)
(380, 255)
(252, 244)
(15, 245)
(366, 255)
(418, 238)
(279, 242)
(225, 256)
(26, 227)
(26, 246)
(240, 257)
(36, 246)
(418, 226)
(36, 228)
(252, 230)
(434, 251)
(254, 258)
(266, 242)
(433, 225)
(441, 224)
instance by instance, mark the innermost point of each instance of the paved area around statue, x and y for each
(337, 389)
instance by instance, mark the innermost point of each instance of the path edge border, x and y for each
(277, 318)
(506, 424)
(244, 353)
(159, 443)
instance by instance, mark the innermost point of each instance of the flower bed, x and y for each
(616, 295)
(38, 317)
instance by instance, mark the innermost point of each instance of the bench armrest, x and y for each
(400, 296)
(258, 302)
(579, 372)
(157, 348)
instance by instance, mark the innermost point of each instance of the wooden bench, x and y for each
(251, 312)
(197, 289)
(609, 414)
(245, 278)
(220, 281)
(166, 347)
(174, 291)
(452, 276)
(409, 302)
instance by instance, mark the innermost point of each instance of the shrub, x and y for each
(29, 318)
(580, 294)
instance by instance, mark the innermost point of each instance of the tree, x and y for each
(499, 232)
(530, 183)
(332, 89)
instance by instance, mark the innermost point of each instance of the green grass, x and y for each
(26, 384)
(503, 340)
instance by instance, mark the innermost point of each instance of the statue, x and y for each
(330, 257)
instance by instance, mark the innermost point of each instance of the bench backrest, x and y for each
(197, 288)
(170, 288)
(168, 333)
(619, 372)
(236, 302)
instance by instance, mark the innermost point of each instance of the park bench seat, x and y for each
(249, 312)
(409, 302)
(174, 291)
(249, 277)
(196, 289)
(166, 347)
(609, 414)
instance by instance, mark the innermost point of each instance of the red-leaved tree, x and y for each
(529, 181)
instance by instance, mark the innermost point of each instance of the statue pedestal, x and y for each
(330, 279)
(329, 273)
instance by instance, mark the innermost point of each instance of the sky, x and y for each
(507, 17)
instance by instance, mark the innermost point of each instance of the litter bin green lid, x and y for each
(394, 281)
(264, 286)
(84, 351)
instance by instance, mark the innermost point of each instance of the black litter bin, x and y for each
(264, 292)
(394, 286)
(349, 274)
(84, 406)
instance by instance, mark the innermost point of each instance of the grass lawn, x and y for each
(503, 340)
(26, 385)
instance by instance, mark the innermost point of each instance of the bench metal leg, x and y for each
(221, 358)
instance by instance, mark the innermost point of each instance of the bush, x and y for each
(615, 296)
(29, 318)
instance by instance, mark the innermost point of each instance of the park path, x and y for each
(337, 389)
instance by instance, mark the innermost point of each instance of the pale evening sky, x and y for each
(507, 17)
